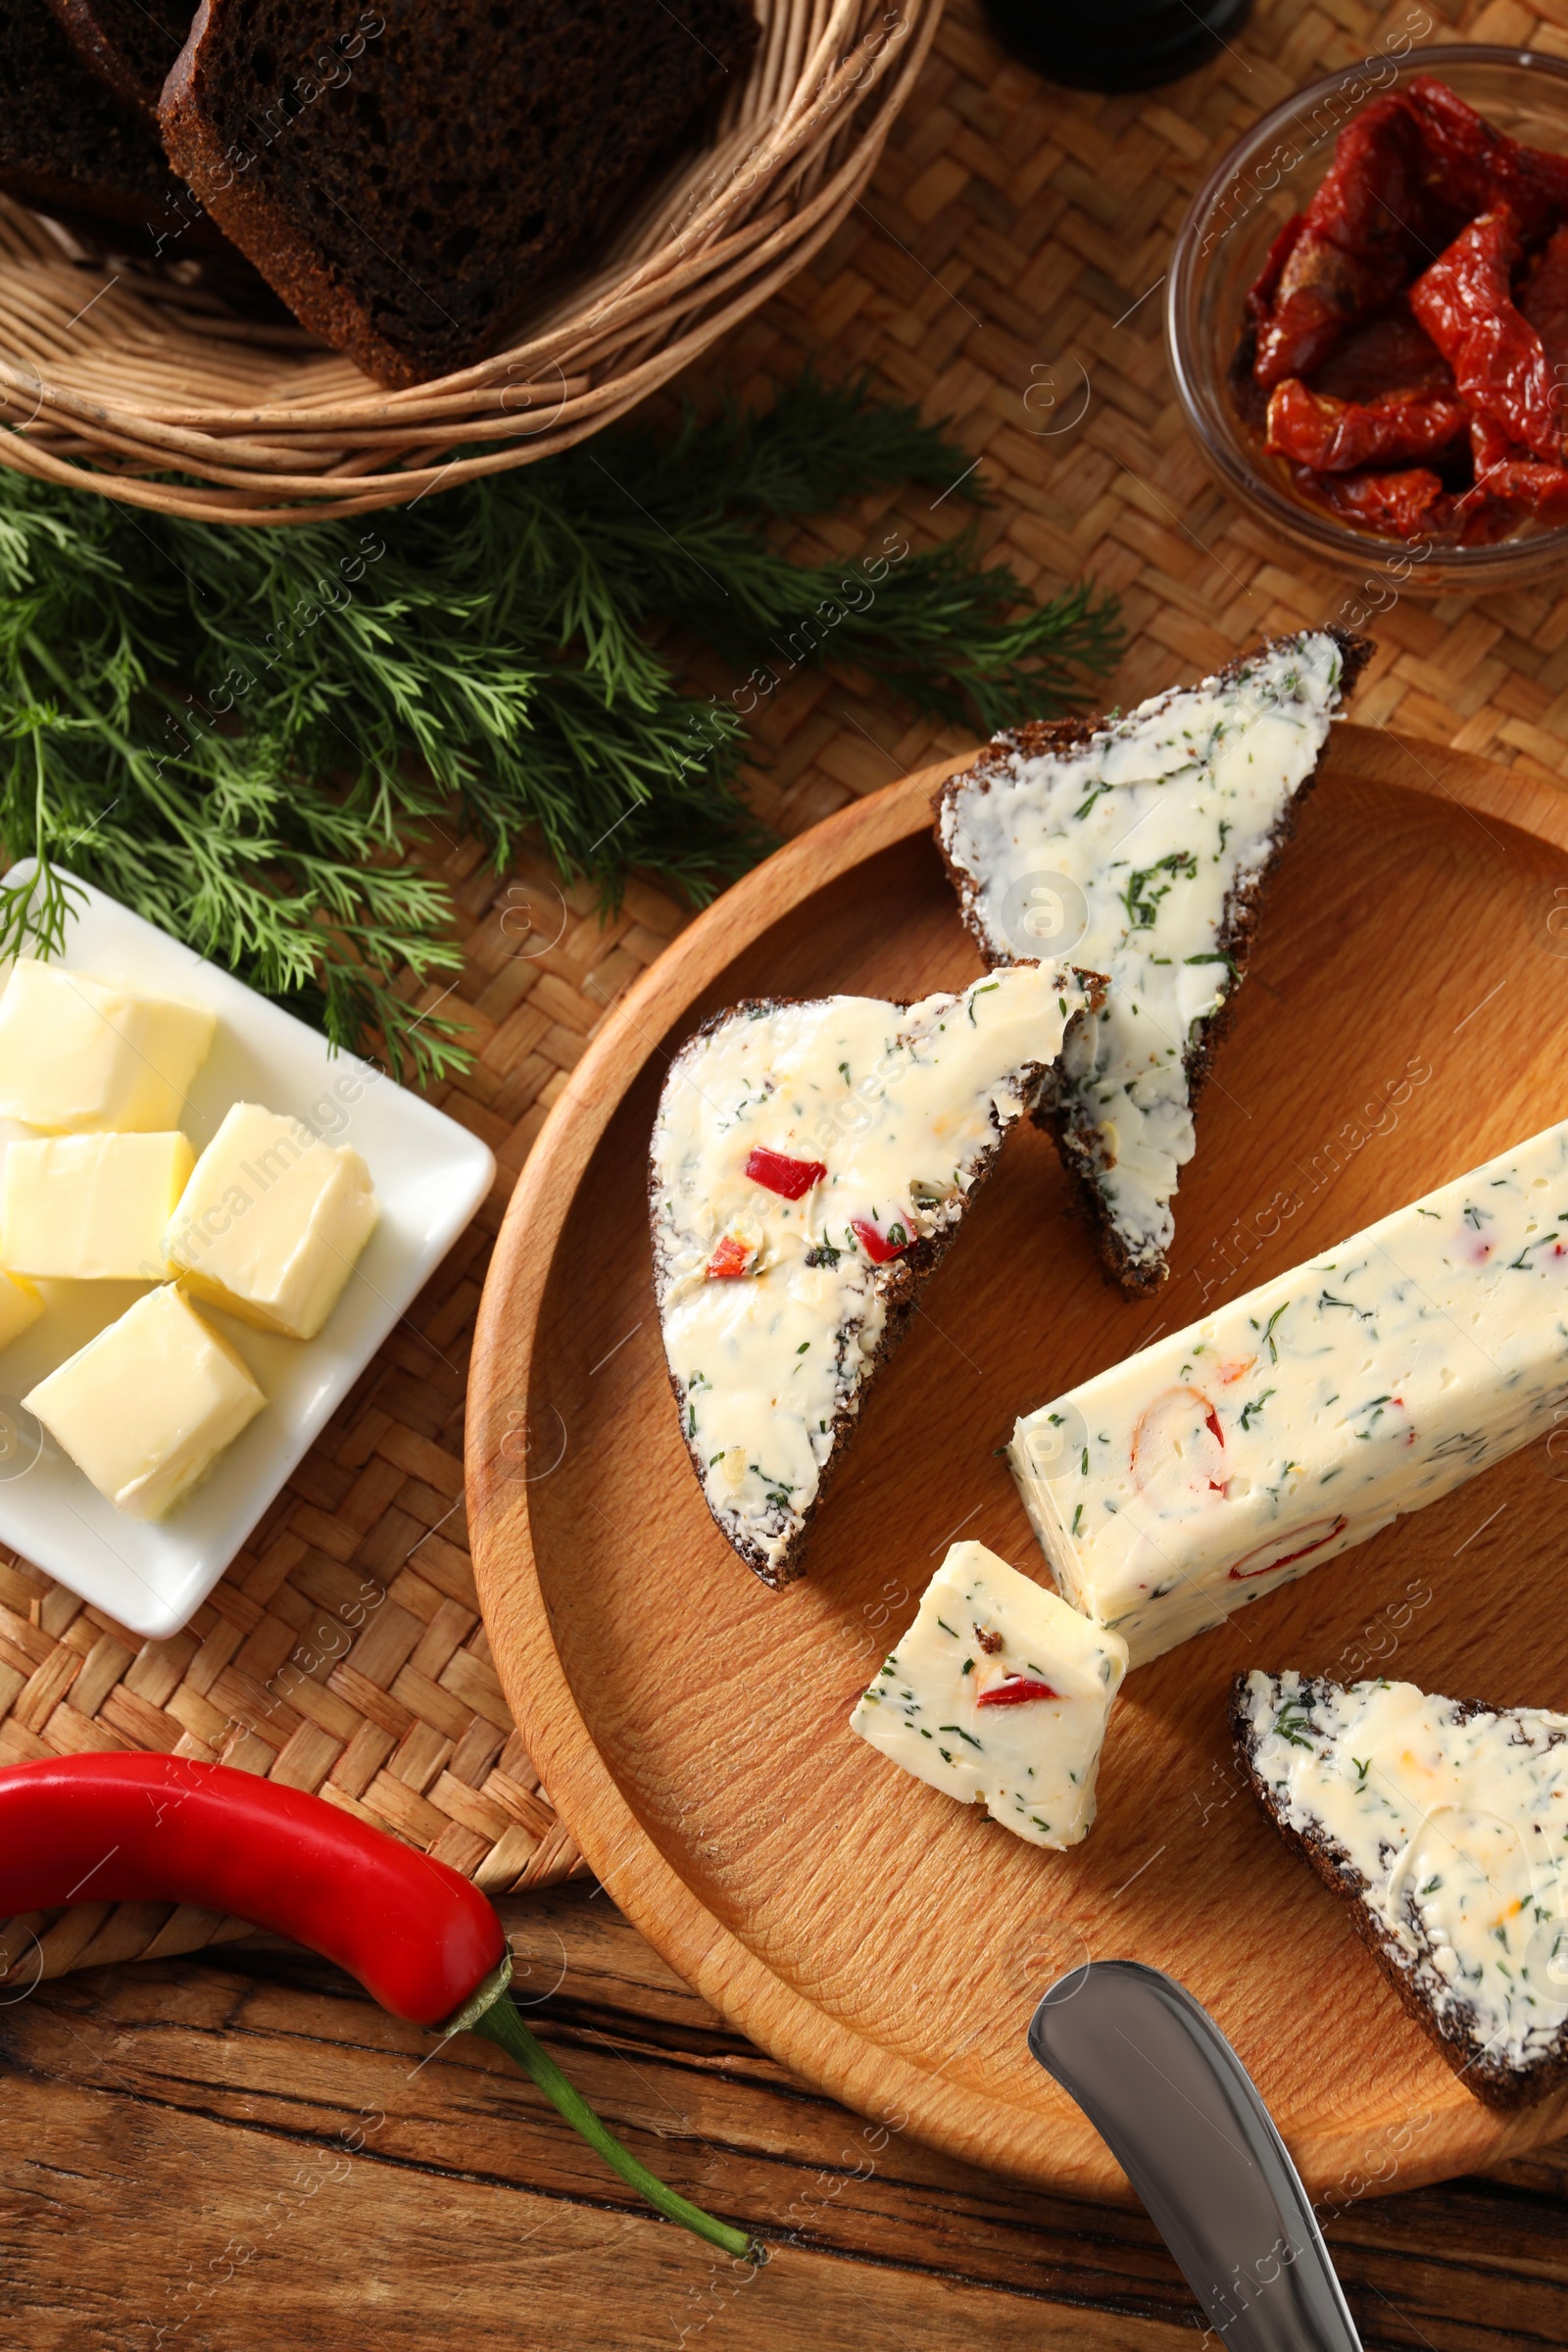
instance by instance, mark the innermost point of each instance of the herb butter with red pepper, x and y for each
(1236, 1455)
(999, 1694)
(811, 1163)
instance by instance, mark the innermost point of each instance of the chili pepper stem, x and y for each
(500, 2023)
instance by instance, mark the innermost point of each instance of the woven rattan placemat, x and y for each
(1005, 271)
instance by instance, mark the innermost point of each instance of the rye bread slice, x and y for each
(1504, 2034)
(411, 175)
(767, 1524)
(130, 44)
(70, 149)
(1134, 1258)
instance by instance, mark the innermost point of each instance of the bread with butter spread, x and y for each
(811, 1165)
(1442, 1823)
(1140, 845)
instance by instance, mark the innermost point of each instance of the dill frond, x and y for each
(236, 733)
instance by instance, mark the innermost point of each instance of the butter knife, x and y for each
(1179, 2112)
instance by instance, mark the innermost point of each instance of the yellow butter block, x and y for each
(146, 1408)
(20, 1306)
(82, 1055)
(91, 1208)
(271, 1222)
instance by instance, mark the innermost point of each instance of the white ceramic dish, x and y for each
(430, 1176)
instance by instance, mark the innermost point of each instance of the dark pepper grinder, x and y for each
(1115, 45)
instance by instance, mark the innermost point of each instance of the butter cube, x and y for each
(91, 1208)
(146, 1408)
(80, 1056)
(271, 1222)
(20, 1306)
(999, 1694)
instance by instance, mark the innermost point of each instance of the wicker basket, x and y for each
(108, 375)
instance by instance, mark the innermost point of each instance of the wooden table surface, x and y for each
(250, 2154)
(240, 2152)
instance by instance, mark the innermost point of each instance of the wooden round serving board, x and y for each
(1402, 1021)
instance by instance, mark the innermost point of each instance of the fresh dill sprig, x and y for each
(240, 733)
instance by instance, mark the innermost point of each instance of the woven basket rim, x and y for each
(150, 387)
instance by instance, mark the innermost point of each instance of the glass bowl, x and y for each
(1266, 176)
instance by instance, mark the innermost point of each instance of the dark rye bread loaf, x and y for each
(1057, 1111)
(410, 176)
(131, 46)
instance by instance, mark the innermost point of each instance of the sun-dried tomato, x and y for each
(1386, 354)
(1465, 302)
(1420, 302)
(1472, 166)
(1403, 506)
(1360, 241)
(1544, 301)
(1263, 289)
(1524, 487)
(1490, 445)
(1336, 437)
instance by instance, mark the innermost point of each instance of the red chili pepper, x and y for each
(1016, 1692)
(1240, 1574)
(1360, 237)
(1336, 437)
(879, 1248)
(729, 1260)
(419, 1938)
(1467, 304)
(1471, 165)
(781, 1174)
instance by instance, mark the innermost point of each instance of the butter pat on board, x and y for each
(271, 1222)
(146, 1408)
(91, 1208)
(1235, 1455)
(80, 1056)
(999, 1694)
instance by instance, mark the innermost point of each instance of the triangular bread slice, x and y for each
(1140, 845)
(1444, 1823)
(811, 1164)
